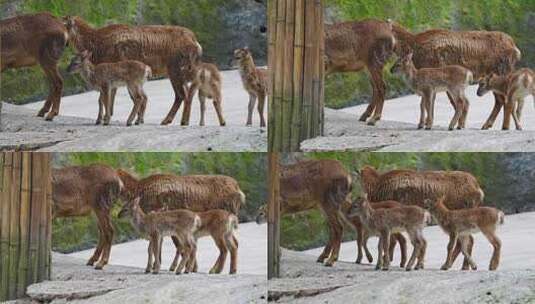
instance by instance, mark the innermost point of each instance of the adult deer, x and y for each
(37, 39)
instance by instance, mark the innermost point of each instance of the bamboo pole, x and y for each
(296, 72)
(273, 217)
(25, 221)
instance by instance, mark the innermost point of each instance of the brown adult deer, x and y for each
(254, 82)
(106, 77)
(197, 193)
(171, 51)
(316, 184)
(207, 82)
(222, 226)
(460, 224)
(410, 187)
(482, 52)
(427, 82)
(79, 190)
(363, 234)
(356, 45)
(154, 226)
(515, 86)
(385, 221)
(37, 39)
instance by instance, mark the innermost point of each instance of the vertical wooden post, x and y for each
(25, 221)
(273, 217)
(296, 64)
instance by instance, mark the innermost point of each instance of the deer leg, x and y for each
(202, 102)
(190, 265)
(369, 255)
(465, 243)
(56, 88)
(156, 241)
(220, 262)
(98, 251)
(233, 247)
(185, 251)
(378, 97)
(449, 257)
(180, 94)
(379, 264)
(386, 245)
(149, 258)
(260, 108)
(403, 248)
(177, 255)
(113, 92)
(186, 113)
(519, 107)
(141, 113)
(137, 100)
(392, 246)
(360, 237)
(106, 103)
(252, 101)
(514, 113)
(462, 120)
(338, 230)
(104, 220)
(458, 110)
(497, 245)
(427, 95)
(499, 101)
(416, 249)
(423, 248)
(423, 110)
(218, 105)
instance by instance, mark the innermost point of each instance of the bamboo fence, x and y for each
(273, 217)
(296, 64)
(25, 221)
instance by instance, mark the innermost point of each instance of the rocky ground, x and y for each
(73, 282)
(305, 281)
(397, 131)
(74, 129)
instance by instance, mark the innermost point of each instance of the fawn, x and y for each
(180, 223)
(106, 77)
(222, 226)
(462, 224)
(514, 87)
(411, 219)
(426, 82)
(208, 82)
(254, 81)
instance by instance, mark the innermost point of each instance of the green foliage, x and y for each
(309, 230)
(249, 169)
(517, 18)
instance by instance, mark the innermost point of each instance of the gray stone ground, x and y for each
(305, 281)
(344, 132)
(22, 130)
(73, 282)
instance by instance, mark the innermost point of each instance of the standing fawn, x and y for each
(208, 81)
(106, 77)
(154, 226)
(411, 219)
(222, 226)
(462, 224)
(364, 234)
(514, 87)
(427, 82)
(254, 81)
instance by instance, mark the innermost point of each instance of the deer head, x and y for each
(485, 84)
(261, 214)
(403, 64)
(129, 208)
(358, 205)
(78, 62)
(241, 54)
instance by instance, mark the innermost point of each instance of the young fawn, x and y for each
(154, 226)
(427, 82)
(411, 219)
(222, 226)
(254, 81)
(514, 87)
(105, 77)
(461, 224)
(208, 82)
(364, 234)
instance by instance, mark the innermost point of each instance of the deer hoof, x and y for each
(377, 267)
(329, 264)
(408, 269)
(49, 117)
(99, 266)
(385, 268)
(444, 267)
(147, 270)
(371, 122)
(90, 263)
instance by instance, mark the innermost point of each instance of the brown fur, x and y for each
(426, 82)
(357, 45)
(514, 86)
(323, 184)
(482, 52)
(208, 82)
(222, 226)
(171, 51)
(385, 221)
(37, 39)
(254, 82)
(363, 234)
(460, 224)
(180, 224)
(79, 190)
(108, 76)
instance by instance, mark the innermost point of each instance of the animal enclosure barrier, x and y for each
(273, 217)
(25, 221)
(296, 65)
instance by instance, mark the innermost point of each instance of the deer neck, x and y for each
(247, 66)
(405, 40)
(499, 85)
(138, 219)
(84, 39)
(440, 212)
(88, 73)
(366, 213)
